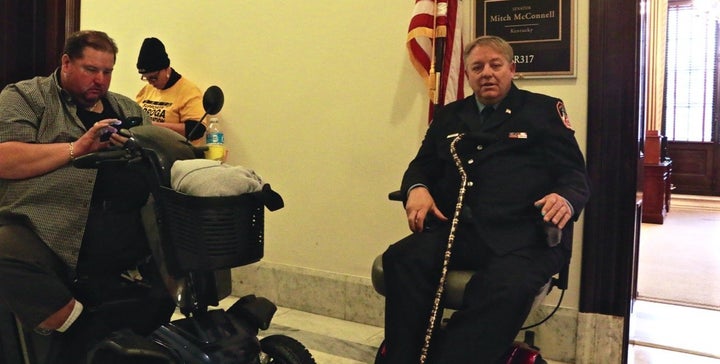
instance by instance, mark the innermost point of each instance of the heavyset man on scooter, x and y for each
(70, 238)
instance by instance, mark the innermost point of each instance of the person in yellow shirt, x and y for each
(171, 100)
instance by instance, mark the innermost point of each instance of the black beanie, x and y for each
(152, 56)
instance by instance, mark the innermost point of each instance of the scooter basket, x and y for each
(211, 233)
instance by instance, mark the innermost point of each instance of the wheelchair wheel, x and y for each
(281, 349)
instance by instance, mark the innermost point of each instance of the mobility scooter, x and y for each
(195, 241)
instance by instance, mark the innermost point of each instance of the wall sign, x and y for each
(541, 32)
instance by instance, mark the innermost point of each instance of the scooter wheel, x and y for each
(281, 349)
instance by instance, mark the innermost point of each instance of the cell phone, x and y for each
(127, 123)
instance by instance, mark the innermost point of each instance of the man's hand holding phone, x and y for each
(110, 129)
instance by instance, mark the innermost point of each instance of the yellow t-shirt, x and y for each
(177, 104)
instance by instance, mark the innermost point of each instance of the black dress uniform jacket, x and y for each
(525, 150)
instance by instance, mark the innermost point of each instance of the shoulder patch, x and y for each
(562, 113)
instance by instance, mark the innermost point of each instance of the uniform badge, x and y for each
(563, 115)
(517, 135)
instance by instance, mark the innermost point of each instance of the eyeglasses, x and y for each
(151, 78)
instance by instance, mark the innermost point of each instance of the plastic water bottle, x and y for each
(214, 134)
(215, 140)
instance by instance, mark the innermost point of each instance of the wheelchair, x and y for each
(194, 241)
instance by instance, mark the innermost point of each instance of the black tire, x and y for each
(281, 349)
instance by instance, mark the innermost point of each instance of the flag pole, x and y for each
(433, 77)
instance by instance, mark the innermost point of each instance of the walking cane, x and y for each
(448, 249)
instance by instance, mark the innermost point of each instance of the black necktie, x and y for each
(486, 113)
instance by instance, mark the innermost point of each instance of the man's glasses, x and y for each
(150, 78)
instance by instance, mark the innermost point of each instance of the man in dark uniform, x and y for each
(524, 171)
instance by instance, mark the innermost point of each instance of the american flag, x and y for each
(435, 46)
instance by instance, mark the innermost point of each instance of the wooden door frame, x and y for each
(63, 19)
(612, 215)
(34, 33)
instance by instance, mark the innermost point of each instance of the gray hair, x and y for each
(493, 42)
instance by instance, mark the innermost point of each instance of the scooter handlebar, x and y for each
(96, 159)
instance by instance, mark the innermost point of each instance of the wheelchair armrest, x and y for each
(561, 282)
(395, 196)
(377, 275)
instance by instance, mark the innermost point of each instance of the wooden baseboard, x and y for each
(695, 202)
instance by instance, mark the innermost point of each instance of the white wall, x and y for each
(321, 100)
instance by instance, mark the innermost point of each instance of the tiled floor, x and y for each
(661, 334)
(668, 334)
(330, 340)
(663, 331)
(679, 262)
(650, 355)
